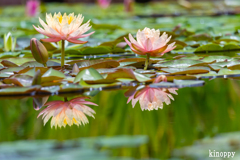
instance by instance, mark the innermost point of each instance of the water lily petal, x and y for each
(51, 40)
(76, 41)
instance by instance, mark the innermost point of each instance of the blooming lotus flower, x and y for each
(70, 112)
(104, 3)
(66, 27)
(150, 42)
(153, 98)
(32, 7)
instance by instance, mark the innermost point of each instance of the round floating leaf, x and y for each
(190, 70)
(12, 70)
(208, 48)
(215, 67)
(96, 50)
(36, 64)
(52, 74)
(96, 64)
(230, 46)
(226, 71)
(7, 63)
(141, 77)
(9, 54)
(121, 73)
(211, 74)
(18, 90)
(88, 74)
(31, 71)
(72, 52)
(209, 59)
(50, 46)
(70, 88)
(19, 80)
(171, 78)
(50, 89)
(100, 86)
(219, 41)
(234, 67)
(200, 37)
(180, 63)
(188, 83)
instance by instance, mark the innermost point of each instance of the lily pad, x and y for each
(88, 74)
(52, 75)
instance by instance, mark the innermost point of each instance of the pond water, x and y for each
(181, 107)
(194, 114)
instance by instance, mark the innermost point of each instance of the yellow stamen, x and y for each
(65, 121)
(70, 19)
(60, 19)
(75, 121)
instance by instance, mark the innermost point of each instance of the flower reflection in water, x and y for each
(152, 98)
(68, 112)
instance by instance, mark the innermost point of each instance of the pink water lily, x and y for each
(128, 5)
(32, 7)
(104, 3)
(150, 42)
(70, 112)
(153, 98)
(66, 27)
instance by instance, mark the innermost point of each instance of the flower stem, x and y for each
(65, 99)
(147, 61)
(45, 65)
(63, 53)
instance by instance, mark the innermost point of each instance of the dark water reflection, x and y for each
(194, 114)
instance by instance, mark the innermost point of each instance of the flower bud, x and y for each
(128, 4)
(9, 42)
(32, 7)
(39, 51)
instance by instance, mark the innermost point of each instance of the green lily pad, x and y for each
(208, 48)
(226, 71)
(52, 75)
(230, 46)
(9, 54)
(96, 50)
(88, 74)
(209, 59)
(180, 63)
(19, 80)
(206, 75)
(190, 70)
(18, 90)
